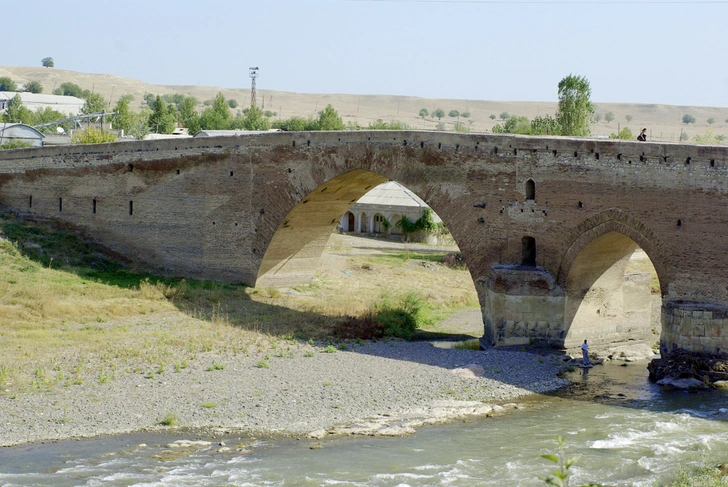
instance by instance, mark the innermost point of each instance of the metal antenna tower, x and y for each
(253, 76)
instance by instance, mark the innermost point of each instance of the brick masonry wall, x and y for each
(211, 208)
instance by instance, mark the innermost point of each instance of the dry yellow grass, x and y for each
(662, 121)
(58, 328)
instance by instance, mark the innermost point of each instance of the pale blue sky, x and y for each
(641, 52)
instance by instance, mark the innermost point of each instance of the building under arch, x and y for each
(390, 201)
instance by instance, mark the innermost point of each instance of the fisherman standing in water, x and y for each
(585, 353)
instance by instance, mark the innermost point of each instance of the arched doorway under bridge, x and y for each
(613, 294)
(332, 273)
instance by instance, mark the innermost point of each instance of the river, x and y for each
(627, 431)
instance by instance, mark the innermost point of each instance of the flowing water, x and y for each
(627, 431)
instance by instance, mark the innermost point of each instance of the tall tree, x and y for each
(329, 119)
(188, 114)
(575, 107)
(424, 112)
(16, 112)
(33, 87)
(217, 116)
(124, 119)
(160, 120)
(47, 62)
(94, 103)
(255, 120)
(7, 84)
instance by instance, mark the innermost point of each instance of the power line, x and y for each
(557, 2)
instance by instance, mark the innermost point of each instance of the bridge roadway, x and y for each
(555, 231)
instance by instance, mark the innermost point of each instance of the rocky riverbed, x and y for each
(304, 389)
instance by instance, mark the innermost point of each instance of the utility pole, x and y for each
(253, 76)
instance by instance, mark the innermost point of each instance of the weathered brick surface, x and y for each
(210, 208)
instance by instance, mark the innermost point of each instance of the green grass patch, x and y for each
(399, 257)
(169, 419)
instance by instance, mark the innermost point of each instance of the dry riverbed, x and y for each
(291, 387)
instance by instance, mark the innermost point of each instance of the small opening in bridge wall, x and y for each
(576, 154)
(439, 145)
(93, 207)
(581, 205)
(231, 173)
(177, 171)
(294, 143)
(555, 153)
(619, 157)
(679, 223)
(308, 142)
(687, 161)
(130, 167)
(457, 147)
(530, 190)
(515, 152)
(131, 207)
(596, 156)
(404, 143)
(60, 204)
(422, 145)
(495, 150)
(712, 163)
(528, 247)
(30, 201)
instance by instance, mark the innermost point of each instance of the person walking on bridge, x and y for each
(585, 353)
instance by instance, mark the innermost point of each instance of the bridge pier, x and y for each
(694, 327)
(523, 305)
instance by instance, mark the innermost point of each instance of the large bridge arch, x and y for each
(295, 248)
(607, 274)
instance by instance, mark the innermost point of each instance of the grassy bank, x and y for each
(69, 314)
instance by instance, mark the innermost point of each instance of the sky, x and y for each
(665, 52)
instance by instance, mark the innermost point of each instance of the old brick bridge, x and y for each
(550, 228)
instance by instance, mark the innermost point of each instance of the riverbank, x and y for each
(291, 387)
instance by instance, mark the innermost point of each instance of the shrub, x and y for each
(170, 419)
(397, 322)
(15, 144)
(92, 135)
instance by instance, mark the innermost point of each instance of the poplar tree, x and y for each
(575, 108)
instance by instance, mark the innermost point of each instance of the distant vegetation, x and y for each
(47, 62)
(7, 84)
(688, 119)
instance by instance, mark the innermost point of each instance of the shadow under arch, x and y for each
(294, 251)
(609, 279)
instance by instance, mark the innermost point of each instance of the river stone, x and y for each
(469, 371)
(395, 430)
(682, 383)
(188, 444)
(721, 383)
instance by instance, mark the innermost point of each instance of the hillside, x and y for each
(663, 121)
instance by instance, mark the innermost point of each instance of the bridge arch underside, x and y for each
(612, 294)
(294, 252)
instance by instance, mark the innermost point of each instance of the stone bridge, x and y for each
(555, 231)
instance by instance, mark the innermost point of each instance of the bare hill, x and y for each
(663, 121)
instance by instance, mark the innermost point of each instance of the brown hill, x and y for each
(664, 122)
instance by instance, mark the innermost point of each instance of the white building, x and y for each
(67, 105)
(19, 132)
(389, 200)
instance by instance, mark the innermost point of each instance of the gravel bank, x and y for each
(304, 391)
